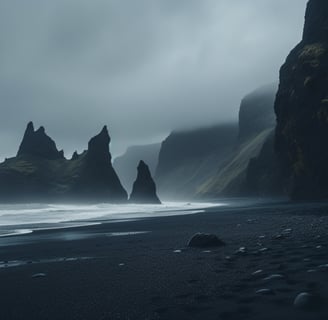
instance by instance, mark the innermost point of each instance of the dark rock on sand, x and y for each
(144, 188)
(306, 300)
(203, 240)
(265, 292)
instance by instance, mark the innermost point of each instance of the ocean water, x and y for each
(16, 219)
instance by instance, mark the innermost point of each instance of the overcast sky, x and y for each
(144, 67)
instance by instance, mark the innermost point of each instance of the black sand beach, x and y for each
(93, 273)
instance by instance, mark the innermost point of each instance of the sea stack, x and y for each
(302, 110)
(98, 179)
(144, 188)
(39, 144)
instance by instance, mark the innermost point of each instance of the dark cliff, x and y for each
(144, 188)
(188, 158)
(302, 110)
(256, 122)
(256, 112)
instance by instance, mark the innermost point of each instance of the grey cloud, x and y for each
(143, 67)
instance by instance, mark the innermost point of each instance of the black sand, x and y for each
(86, 273)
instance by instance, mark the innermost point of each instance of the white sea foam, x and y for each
(24, 218)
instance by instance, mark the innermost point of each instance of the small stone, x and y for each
(177, 251)
(278, 237)
(323, 267)
(257, 272)
(241, 250)
(274, 277)
(39, 275)
(264, 292)
(203, 240)
(311, 270)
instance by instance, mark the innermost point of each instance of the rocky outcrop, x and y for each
(40, 173)
(125, 165)
(144, 188)
(39, 144)
(302, 110)
(97, 178)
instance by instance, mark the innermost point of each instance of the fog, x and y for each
(143, 67)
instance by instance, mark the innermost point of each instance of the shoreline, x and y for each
(87, 273)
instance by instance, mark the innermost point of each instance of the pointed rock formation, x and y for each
(98, 179)
(75, 156)
(88, 177)
(144, 188)
(39, 144)
(302, 110)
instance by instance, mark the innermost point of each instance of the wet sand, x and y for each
(143, 269)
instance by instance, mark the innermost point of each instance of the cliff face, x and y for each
(144, 188)
(211, 162)
(256, 112)
(187, 159)
(40, 173)
(302, 110)
(256, 122)
(125, 165)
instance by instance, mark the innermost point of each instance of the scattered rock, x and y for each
(39, 275)
(305, 300)
(274, 277)
(257, 272)
(203, 240)
(241, 250)
(279, 237)
(323, 267)
(265, 291)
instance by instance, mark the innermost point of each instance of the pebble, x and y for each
(278, 237)
(323, 267)
(241, 250)
(257, 272)
(274, 277)
(177, 251)
(39, 275)
(264, 291)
